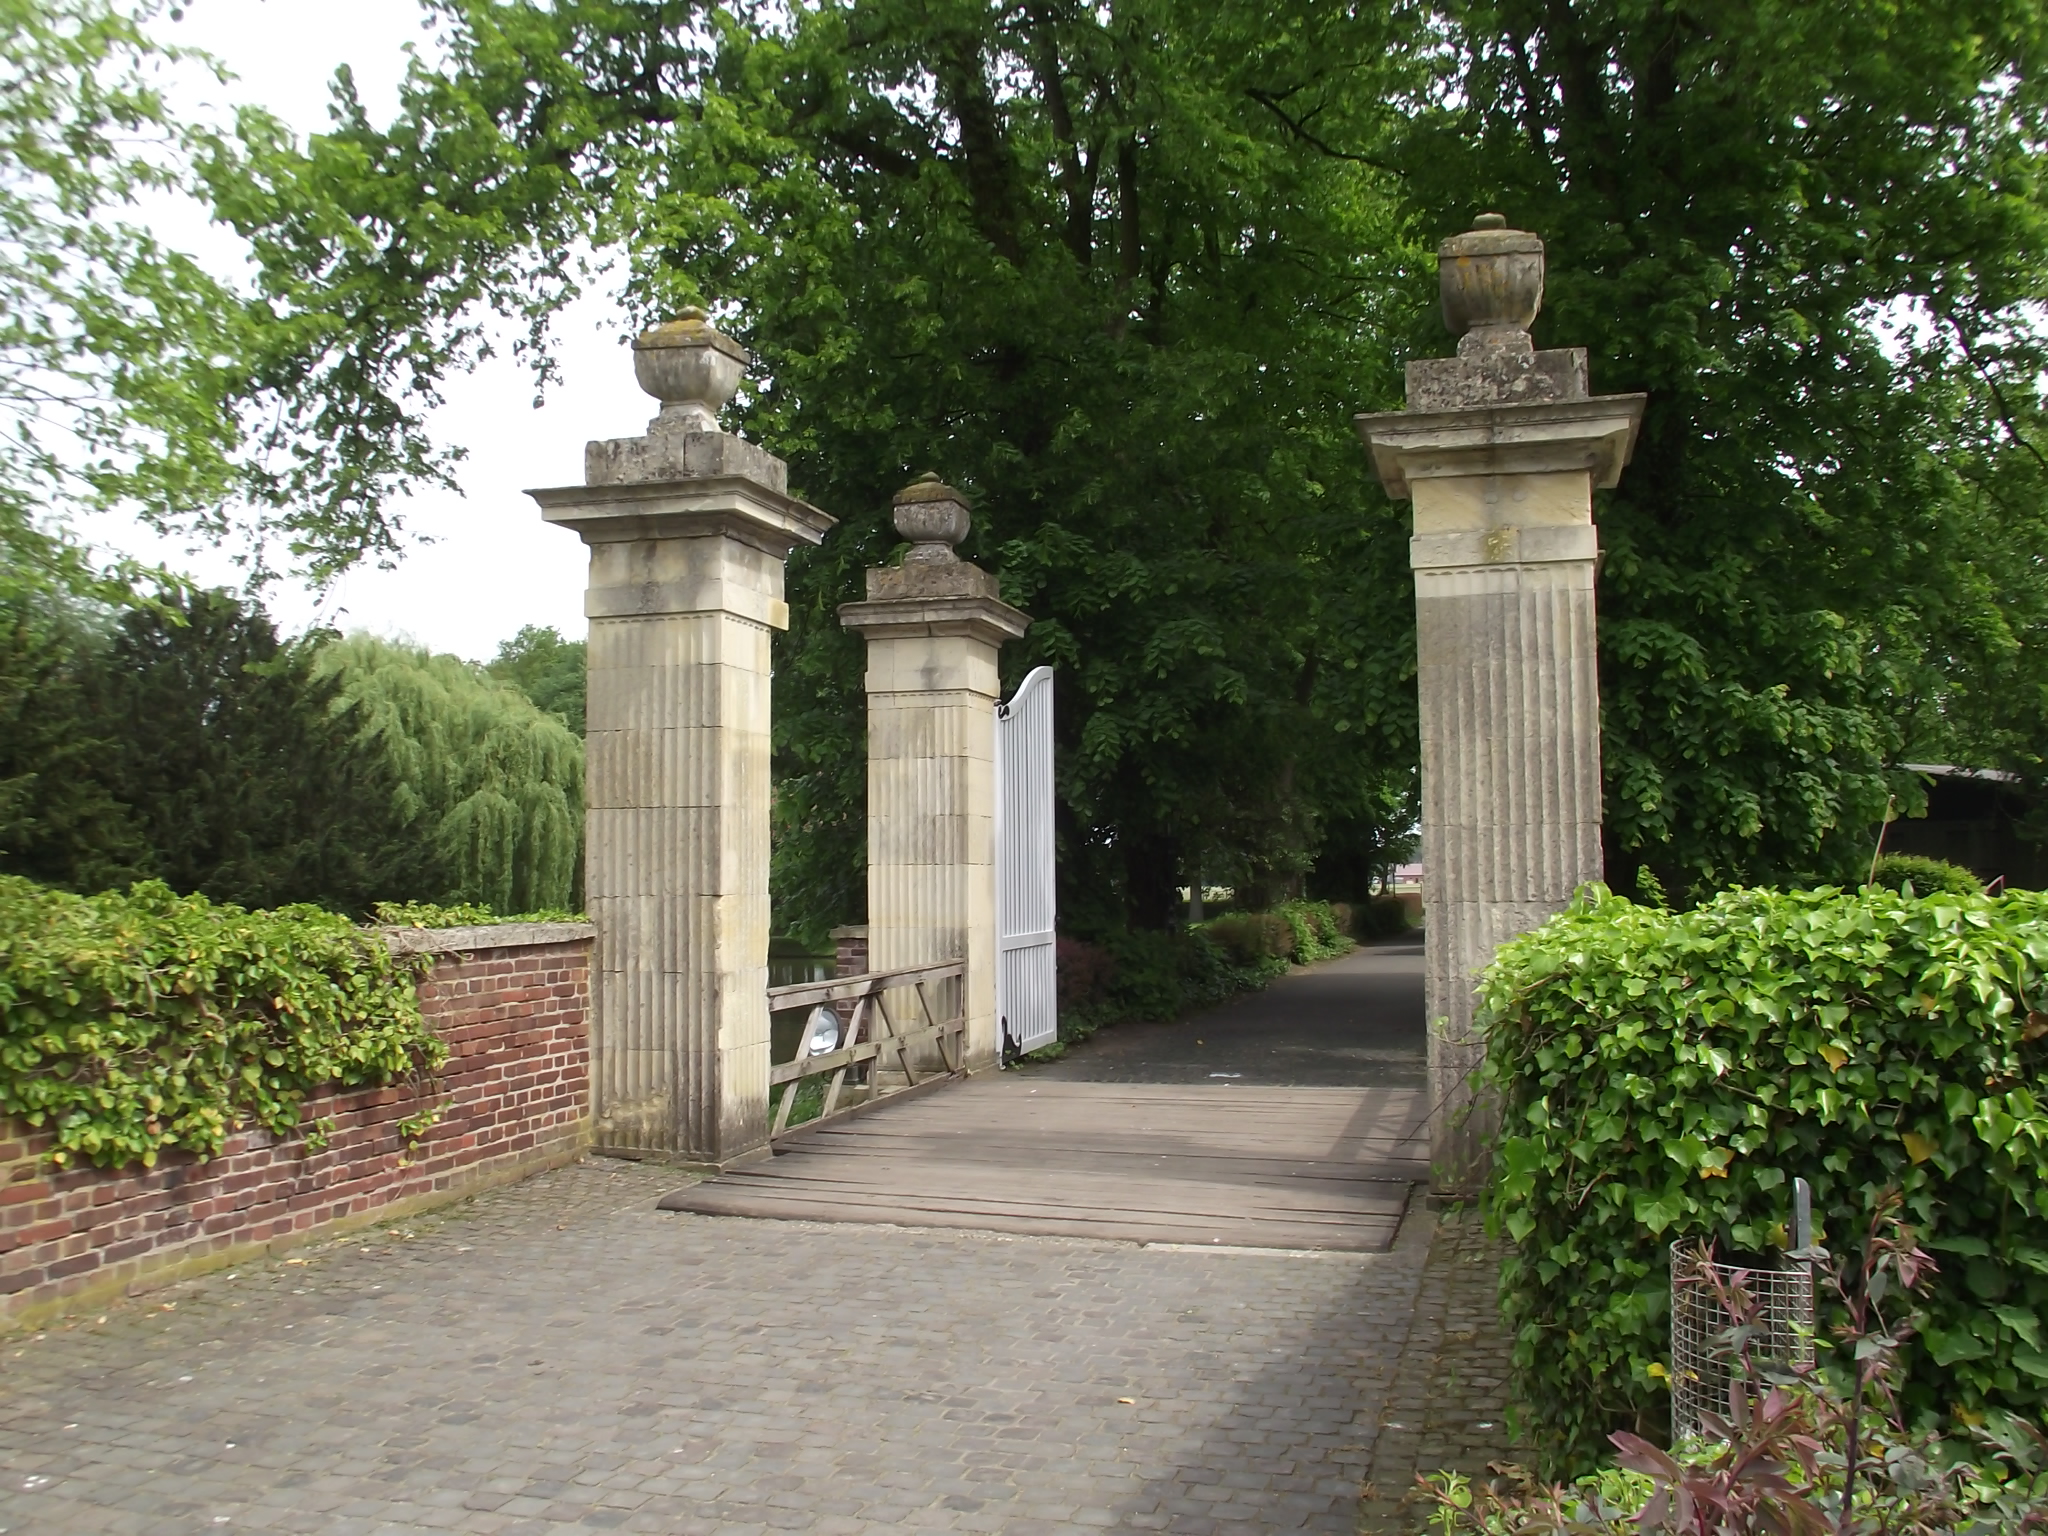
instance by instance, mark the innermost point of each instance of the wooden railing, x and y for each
(870, 1033)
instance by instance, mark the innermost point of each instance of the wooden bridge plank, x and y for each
(1313, 1168)
(1135, 1189)
(1255, 1228)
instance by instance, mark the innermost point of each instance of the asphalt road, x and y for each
(1353, 1022)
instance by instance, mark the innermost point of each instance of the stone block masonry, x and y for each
(933, 627)
(687, 528)
(514, 1097)
(1500, 451)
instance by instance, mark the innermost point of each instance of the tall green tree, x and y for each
(1123, 271)
(134, 379)
(491, 787)
(1071, 258)
(551, 671)
(235, 771)
(184, 741)
(1814, 235)
(60, 822)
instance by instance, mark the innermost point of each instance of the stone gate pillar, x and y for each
(934, 625)
(688, 527)
(1500, 449)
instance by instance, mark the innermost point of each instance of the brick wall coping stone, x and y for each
(452, 941)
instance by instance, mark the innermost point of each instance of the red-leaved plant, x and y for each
(1801, 1451)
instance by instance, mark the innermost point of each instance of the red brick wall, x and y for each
(849, 958)
(514, 1098)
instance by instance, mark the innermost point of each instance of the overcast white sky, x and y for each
(492, 565)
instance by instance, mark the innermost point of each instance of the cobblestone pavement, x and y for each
(1448, 1406)
(559, 1356)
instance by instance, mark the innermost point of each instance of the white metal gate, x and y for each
(1027, 983)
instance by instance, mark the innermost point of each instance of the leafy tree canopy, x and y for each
(1070, 260)
(133, 378)
(549, 670)
(1814, 235)
(185, 742)
(1123, 272)
(492, 785)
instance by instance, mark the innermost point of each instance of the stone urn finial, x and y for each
(1491, 277)
(932, 516)
(691, 367)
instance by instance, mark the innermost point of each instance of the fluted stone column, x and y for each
(688, 528)
(933, 627)
(1500, 449)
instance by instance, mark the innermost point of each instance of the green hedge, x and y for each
(1297, 931)
(1666, 1075)
(1928, 877)
(1249, 938)
(435, 914)
(1377, 917)
(139, 1021)
(1160, 974)
(1318, 935)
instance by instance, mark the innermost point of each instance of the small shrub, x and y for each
(1794, 1448)
(1928, 877)
(1153, 975)
(137, 1021)
(1314, 932)
(1377, 917)
(1160, 975)
(1382, 917)
(1086, 972)
(1251, 938)
(1665, 1075)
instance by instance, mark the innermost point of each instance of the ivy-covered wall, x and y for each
(511, 1007)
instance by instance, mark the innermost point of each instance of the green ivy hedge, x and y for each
(1667, 1074)
(137, 1021)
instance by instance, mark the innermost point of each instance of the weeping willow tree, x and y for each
(493, 784)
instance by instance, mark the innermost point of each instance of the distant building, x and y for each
(1974, 818)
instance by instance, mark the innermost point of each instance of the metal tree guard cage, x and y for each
(1703, 1358)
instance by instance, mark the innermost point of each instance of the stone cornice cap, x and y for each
(985, 618)
(1596, 435)
(934, 591)
(736, 506)
(453, 941)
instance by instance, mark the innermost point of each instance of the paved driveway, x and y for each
(1352, 1022)
(560, 1356)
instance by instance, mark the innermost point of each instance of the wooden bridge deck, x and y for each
(1211, 1163)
